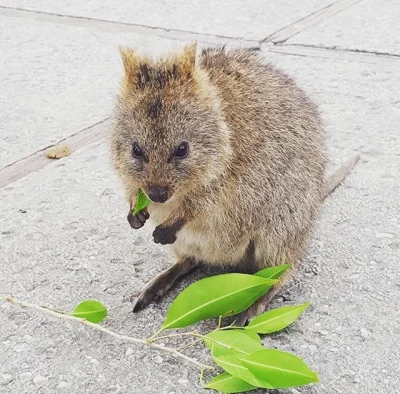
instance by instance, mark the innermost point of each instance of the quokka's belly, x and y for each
(209, 248)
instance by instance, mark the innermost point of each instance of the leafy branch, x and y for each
(126, 338)
(238, 351)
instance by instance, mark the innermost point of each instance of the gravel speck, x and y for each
(62, 385)
(384, 235)
(40, 380)
(365, 333)
(129, 351)
(25, 376)
(6, 378)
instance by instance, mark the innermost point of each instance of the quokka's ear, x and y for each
(130, 61)
(141, 72)
(186, 60)
(138, 69)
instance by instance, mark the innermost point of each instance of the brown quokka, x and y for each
(230, 151)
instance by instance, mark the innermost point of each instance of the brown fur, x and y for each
(250, 190)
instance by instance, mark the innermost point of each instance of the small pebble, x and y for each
(62, 385)
(313, 348)
(365, 333)
(294, 391)
(356, 380)
(40, 380)
(25, 376)
(158, 359)
(113, 389)
(137, 241)
(129, 351)
(21, 347)
(6, 378)
(183, 381)
(80, 237)
(324, 332)
(384, 235)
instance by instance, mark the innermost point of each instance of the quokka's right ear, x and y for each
(130, 61)
(137, 70)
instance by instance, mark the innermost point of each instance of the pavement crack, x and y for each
(339, 49)
(335, 53)
(38, 159)
(117, 27)
(308, 21)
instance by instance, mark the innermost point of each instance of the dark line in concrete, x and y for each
(334, 53)
(117, 27)
(38, 160)
(287, 32)
(338, 49)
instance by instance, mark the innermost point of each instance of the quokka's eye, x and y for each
(136, 151)
(182, 150)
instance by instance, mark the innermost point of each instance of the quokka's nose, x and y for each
(158, 193)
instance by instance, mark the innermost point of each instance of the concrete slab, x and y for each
(64, 238)
(56, 80)
(251, 20)
(370, 25)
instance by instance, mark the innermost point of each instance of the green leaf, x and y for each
(227, 383)
(142, 201)
(91, 310)
(225, 342)
(219, 295)
(273, 272)
(280, 369)
(251, 334)
(234, 366)
(276, 319)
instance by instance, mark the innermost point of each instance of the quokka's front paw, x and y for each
(138, 220)
(167, 234)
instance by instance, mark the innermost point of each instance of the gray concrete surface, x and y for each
(367, 26)
(64, 237)
(51, 78)
(238, 18)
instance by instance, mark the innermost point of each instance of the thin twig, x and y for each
(219, 323)
(105, 330)
(179, 334)
(186, 345)
(202, 383)
(152, 338)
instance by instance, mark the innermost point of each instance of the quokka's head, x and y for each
(169, 136)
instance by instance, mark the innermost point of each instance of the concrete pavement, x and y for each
(63, 233)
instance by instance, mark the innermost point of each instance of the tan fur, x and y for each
(252, 186)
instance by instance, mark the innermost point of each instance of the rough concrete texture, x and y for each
(371, 25)
(51, 78)
(246, 19)
(64, 238)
